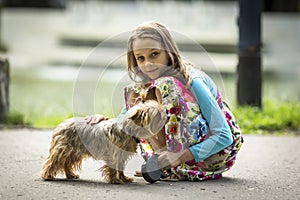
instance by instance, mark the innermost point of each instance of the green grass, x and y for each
(43, 103)
(275, 117)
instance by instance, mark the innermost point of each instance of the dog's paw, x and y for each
(72, 176)
(116, 181)
(126, 179)
(48, 178)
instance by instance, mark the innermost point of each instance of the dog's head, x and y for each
(146, 117)
(133, 98)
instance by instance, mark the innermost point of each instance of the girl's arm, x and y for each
(123, 112)
(220, 137)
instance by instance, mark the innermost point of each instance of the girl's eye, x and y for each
(154, 54)
(140, 58)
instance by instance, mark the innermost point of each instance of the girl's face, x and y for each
(150, 57)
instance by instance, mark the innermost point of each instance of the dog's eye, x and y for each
(137, 100)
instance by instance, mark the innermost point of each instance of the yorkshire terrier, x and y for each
(113, 141)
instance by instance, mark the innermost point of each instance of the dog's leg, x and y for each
(54, 163)
(110, 174)
(58, 152)
(51, 167)
(121, 162)
(74, 161)
(48, 173)
(70, 172)
(62, 159)
(124, 178)
(124, 156)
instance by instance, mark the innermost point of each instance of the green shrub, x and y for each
(16, 118)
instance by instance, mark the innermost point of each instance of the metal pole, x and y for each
(249, 83)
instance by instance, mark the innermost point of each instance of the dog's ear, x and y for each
(158, 95)
(131, 96)
(154, 94)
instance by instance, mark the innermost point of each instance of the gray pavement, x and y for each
(267, 168)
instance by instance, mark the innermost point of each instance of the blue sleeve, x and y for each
(123, 112)
(220, 137)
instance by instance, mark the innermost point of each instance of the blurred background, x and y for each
(49, 42)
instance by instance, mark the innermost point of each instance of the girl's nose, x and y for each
(148, 63)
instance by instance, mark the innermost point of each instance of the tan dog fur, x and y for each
(74, 140)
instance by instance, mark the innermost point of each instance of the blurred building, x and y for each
(281, 6)
(36, 3)
(268, 5)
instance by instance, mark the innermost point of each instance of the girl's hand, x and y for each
(94, 119)
(167, 159)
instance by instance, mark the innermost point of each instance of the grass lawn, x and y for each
(44, 103)
(275, 117)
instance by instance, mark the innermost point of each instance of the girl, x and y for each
(201, 138)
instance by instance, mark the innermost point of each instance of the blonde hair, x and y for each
(160, 33)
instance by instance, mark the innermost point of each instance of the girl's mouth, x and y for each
(151, 71)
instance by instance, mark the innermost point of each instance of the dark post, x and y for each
(4, 81)
(4, 88)
(249, 83)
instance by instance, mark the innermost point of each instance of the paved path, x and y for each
(267, 168)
